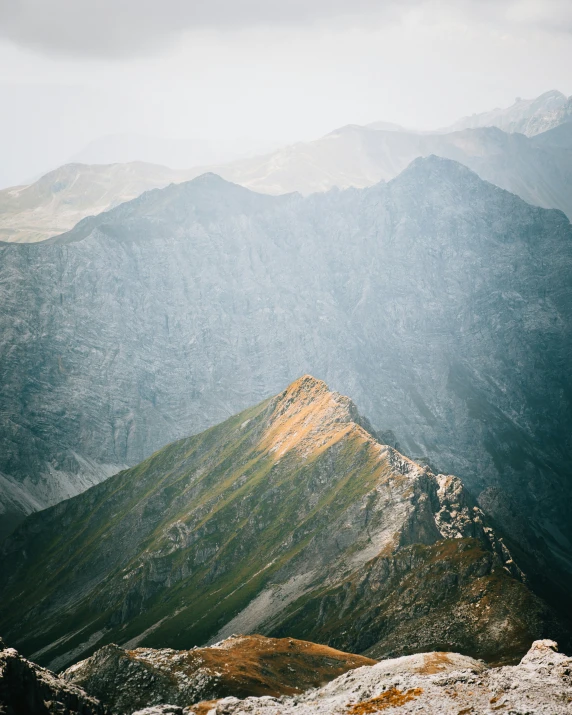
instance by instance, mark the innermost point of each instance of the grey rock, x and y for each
(540, 684)
(27, 689)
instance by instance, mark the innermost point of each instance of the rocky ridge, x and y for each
(291, 520)
(27, 689)
(506, 147)
(240, 666)
(433, 683)
(356, 156)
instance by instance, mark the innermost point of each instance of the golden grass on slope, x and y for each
(391, 698)
(308, 418)
(255, 665)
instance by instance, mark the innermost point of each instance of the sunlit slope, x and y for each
(57, 201)
(252, 524)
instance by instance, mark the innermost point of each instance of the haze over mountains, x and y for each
(536, 167)
(441, 303)
(57, 201)
(525, 116)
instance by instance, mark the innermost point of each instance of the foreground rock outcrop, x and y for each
(431, 683)
(27, 689)
(291, 519)
(240, 666)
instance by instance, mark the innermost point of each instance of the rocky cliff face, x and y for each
(241, 666)
(289, 518)
(440, 303)
(27, 689)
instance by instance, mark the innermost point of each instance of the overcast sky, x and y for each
(236, 76)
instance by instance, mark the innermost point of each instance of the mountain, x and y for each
(538, 169)
(429, 683)
(57, 201)
(441, 303)
(386, 126)
(177, 153)
(241, 666)
(558, 138)
(539, 172)
(525, 116)
(289, 519)
(27, 689)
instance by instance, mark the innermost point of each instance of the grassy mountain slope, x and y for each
(284, 506)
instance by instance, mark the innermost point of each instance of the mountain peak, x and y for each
(423, 167)
(308, 418)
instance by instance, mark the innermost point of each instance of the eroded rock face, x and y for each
(434, 683)
(240, 666)
(27, 689)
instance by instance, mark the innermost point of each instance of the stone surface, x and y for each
(240, 666)
(541, 685)
(27, 689)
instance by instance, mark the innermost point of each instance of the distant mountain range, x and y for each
(57, 201)
(525, 116)
(440, 302)
(268, 523)
(536, 168)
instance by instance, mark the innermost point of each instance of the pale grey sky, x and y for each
(241, 75)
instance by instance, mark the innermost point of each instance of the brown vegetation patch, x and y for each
(308, 418)
(204, 707)
(256, 665)
(392, 698)
(434, 663)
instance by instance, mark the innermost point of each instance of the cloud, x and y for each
(130, 27)
(122, 28)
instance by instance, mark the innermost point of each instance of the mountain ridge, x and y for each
(62, 197)
(253, 525)
(526, 116)
(531, 166)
